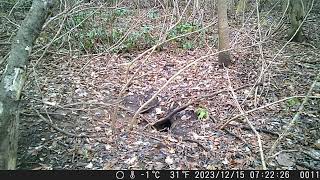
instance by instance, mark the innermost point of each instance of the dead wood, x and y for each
(169, 117)
(13, 79)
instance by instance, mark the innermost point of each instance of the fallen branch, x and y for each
(13, 79)
(297, 115)
(150, 51)
(179, 109)
(264, 167)
(134, 120)
(170, 115)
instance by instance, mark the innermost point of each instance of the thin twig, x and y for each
(62, 131)
(3, 60)
(170, 115)
(276, 56)
(264, 167)
(262, 107)
(235, 135)
(258, 129)
(72, 29)
(260, 50)
(282, 151)
(198, 143)
(297, 115)
(134, 122)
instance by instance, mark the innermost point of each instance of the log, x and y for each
(13, 79)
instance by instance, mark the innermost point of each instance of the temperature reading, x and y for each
(155, 174)
(179, 174)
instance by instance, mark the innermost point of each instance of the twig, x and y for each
(170, 115)
(258, 129)
(297, 115)
(262, 107)
(306, 165)
(62, 131)
(235, 135)
(249, 123)
(133, 121)
(4, 58)
(260, 50)
(281, 19)
(65, 11)
(5, 43)
(282, 151)
(18, 26)
(277, 54)
(198, 143)
(13, 7)
(150, 51)
(177, 110)
(69, 31)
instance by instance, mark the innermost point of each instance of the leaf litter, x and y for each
(81, 101)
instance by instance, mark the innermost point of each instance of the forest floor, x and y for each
(81, 103)
(79, 94)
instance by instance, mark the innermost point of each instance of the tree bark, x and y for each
(13, 79)
(223, 30)
(296, 12)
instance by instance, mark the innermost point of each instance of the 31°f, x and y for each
(179, 174)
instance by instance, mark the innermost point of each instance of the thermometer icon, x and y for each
(132, 176)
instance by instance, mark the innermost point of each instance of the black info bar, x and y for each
(163, 174)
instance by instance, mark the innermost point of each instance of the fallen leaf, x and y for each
(107, 147)
(131, 160)
(89, 166)
(159, 111)
(196, 136)
(169, 160)
(172, 139)
(285, 160)
(225, 161)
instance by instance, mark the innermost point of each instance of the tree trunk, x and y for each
(223, 30)
(296, 12)
(13, 79)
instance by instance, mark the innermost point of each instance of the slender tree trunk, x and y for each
(13, 79)
(223, 30)
(296, 12)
